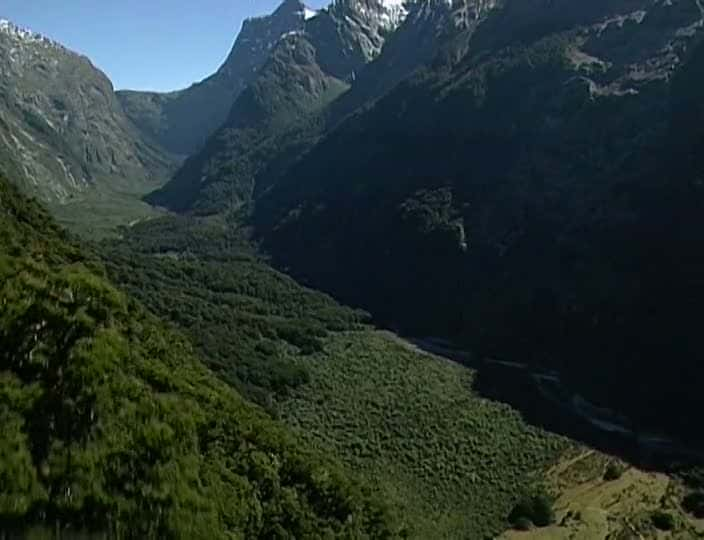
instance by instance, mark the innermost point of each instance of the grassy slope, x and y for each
(102, 212)
(588, 507)
(111, 424)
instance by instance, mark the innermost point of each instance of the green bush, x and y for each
(523, 524)
(663, 520)
(543, 513)
(694, 504)
(614, 471)
(536, 509)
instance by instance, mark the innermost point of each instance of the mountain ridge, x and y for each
(182, 121)
(62, 131)
(307, 70)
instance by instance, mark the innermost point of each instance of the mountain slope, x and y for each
(112, 426)
(182, 121)
(507, 196)
(278, 113)
(62, 131)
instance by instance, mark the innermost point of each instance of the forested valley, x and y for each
(420, 269)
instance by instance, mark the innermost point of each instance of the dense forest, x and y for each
(247, 320)
(112, 425)
(118, 424)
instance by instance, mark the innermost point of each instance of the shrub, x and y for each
(543, 514)
(614, 471)
(663, 520)
(536, 509)
(694, 504)
(523, 524)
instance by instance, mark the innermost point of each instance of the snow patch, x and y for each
(309, 13)
(388, 4)
(292, 33)
(394, 14)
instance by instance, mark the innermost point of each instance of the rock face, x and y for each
(351, 33)
(519, 193)
(431, 30)
(62, 129)
(182, 121)
(280, 111)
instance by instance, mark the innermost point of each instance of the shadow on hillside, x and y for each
(544, 403)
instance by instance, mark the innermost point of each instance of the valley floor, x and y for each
(100, 213)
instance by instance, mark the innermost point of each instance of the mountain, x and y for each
(62, 130)
(531, 192)
(182, 121)
(428, 29)
(282, 112)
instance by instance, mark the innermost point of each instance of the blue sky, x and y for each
(143, 44)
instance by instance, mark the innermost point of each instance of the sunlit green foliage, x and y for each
(111, 424)
(458, 463)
